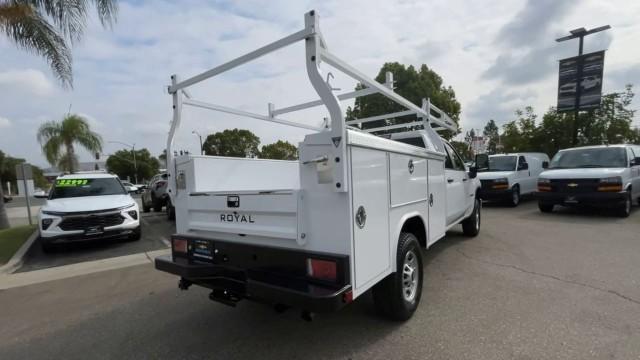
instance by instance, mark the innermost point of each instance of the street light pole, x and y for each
(133, 151)
(200, 137)
(579, 33)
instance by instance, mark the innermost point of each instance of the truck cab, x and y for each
(599, 176)
(510, 176)
(353, 214)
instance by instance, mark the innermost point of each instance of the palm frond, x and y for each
(30, 30)
(107, 11)
(69, 16)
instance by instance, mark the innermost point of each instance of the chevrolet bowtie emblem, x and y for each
(572, 185)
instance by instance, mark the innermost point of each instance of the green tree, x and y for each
(491, 132)
(47, 27)
(280, 150)
(463, 149)
(8, 174)
(233, 143)
(521, 134)
(412, 84)
(58, 138)
(122, 164)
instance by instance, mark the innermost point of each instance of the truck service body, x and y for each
(350, 215)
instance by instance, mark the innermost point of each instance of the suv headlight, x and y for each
(613, 184)
(46, 223)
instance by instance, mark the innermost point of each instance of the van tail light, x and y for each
(160, 184)
(322, 269)
(180, 245)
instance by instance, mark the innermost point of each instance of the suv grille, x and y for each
(575, 185)
(83, 222)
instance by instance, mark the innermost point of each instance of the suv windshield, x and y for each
(585, 158)
(67, 188)
(501, 163)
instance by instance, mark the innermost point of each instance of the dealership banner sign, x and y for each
(580, 82)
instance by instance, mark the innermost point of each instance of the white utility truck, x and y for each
(352, 214)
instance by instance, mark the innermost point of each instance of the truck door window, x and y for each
(454, 161)
(521, 160)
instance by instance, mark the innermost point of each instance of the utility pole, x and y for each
(200, 137)
(579, 33)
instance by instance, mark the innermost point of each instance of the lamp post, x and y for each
(579, 33)
(200, 137)
(133, 151)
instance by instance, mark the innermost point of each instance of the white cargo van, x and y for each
(354, 213)
(509, 176)
(601, 176)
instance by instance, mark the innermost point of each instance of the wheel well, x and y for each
(415, 225)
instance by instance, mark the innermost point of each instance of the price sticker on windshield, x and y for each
(71, 182)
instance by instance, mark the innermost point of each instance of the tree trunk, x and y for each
(4, 219)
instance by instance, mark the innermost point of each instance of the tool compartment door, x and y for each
(370, 215)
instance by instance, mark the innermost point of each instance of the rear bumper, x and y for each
(597, 199)
(263, 274)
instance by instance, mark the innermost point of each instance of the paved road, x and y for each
(531, 286)
(156, 231)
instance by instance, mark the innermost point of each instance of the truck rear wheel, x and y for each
(471, 225)
(398, 295)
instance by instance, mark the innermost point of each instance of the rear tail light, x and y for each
(180, 245)
(322, 269)
(160, 184)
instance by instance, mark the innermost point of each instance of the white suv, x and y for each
(602, 176)
(88, 207)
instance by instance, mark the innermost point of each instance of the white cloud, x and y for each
(120, 75)
(4, 122)
(30, 81)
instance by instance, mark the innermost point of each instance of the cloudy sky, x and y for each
(497, 55)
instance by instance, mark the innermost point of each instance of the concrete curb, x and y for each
(16, 260)
(84, 268)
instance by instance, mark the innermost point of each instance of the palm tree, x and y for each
(45, 27)
(58, 138)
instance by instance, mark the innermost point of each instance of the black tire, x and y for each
(137, 234)
(514, 200)
(395, 299)
(471, 225)
(545, 207)
(145, 208)
(171, 212)
(625, 209)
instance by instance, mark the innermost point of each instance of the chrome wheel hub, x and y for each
(410, 276)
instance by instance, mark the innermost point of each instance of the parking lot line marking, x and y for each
(83, 268)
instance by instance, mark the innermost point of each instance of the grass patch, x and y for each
(12, 239)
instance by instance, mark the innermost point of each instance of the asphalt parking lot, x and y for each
(530, 286)
(156, 231)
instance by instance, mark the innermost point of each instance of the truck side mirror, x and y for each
(545, 164)
(482, 162)
(473, 172)
(635, 161)
(523, 166)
